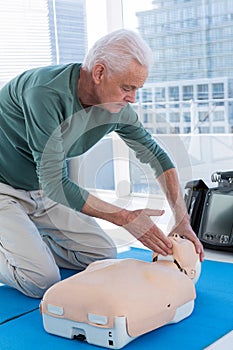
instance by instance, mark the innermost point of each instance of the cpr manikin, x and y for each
(114, 301)
(183, 257)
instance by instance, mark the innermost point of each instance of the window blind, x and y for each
(36, 33)
(24, 36)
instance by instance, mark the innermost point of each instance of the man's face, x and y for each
(116, 91)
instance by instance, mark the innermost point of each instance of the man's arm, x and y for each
(148, 151)
(170, 185)
(137, 222)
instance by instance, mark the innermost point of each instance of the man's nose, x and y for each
(131, 96)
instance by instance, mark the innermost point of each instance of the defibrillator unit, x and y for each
(211, 210)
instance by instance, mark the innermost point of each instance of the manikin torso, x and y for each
(148, 294)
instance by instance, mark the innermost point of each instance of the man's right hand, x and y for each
(137, 222)
(141, 226)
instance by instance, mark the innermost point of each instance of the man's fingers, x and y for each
(157, 241)
(147, 232)
(160, 237)
(154, 212)
(156, 246)
(199, 249)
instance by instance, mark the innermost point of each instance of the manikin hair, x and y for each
(117, 50)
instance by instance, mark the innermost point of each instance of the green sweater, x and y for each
(42, 124)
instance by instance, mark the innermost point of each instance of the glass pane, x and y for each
(189, 89)
(192, 44)
(96, 20)
(94, 169)
(187, 92)
(39, 33)
(44, 32)
(67, 30)
(24, 36)
(142, 177)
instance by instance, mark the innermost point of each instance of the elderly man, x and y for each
(53, 113)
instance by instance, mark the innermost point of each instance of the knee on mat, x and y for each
(111, 253)
(107, 253)
(36, 284)
(84, 259)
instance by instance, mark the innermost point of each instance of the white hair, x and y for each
(117, 50)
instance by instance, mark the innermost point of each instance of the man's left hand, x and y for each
(184, 229)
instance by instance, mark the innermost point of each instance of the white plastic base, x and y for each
(109, 338)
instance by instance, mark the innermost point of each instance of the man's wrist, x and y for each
(183, 220)
(122, 217)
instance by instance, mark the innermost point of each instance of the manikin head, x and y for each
(184, 257)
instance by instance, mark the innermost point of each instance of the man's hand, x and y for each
(137, 222)
(140, 225)
(170, 184)
(184, 229)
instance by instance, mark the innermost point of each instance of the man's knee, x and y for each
(35, 284)
(106, 249)
(88, 257)
(110, 253)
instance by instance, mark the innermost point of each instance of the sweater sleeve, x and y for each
(147, 150)
(44, 118)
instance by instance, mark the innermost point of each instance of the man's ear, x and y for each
(98, 72)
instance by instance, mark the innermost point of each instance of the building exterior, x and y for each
(190, 86)
(68, 32)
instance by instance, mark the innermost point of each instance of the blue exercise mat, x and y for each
(211, 319)
(136, 253)
(14, 304)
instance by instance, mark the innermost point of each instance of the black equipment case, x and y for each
(211, 210)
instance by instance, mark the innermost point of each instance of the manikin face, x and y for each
(116, 91)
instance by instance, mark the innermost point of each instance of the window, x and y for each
(40, 32)
(174, 117)
(159, 93)
(185, 56)
(147, 95)
(173, 92)
(187, 117)
(203, 116)
(202, 92)
(191, 45)
(24, 36)
(204, 130)
(160, 117)
(218, 90)
(218, 130)
(218, 116)
(95, 169)
(187, 92)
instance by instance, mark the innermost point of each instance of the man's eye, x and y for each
(126, 89)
